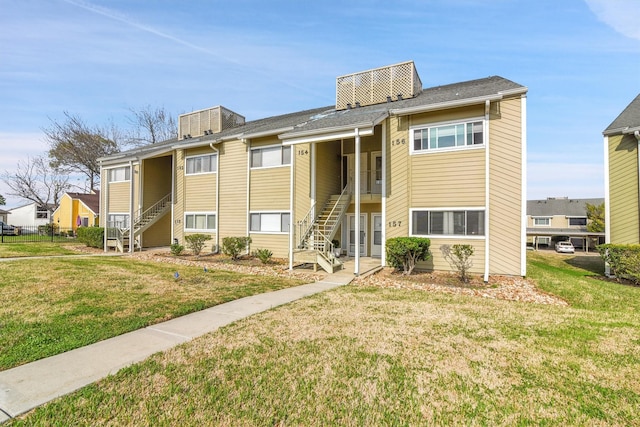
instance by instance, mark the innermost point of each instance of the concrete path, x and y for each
(31, 385)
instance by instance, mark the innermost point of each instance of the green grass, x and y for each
(30, 249)
(54, 305)
(374, 356)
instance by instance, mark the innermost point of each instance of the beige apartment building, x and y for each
(389, 159)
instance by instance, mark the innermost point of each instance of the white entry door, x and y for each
(376, 236)
(351, 235)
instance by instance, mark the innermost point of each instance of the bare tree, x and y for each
(36, 180)
(151, 125)
(75, 147)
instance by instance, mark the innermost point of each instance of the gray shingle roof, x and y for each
(325, 118)
(629, 118)
(568, 207)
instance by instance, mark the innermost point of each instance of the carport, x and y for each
(584, 236)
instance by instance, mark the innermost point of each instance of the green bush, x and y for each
(176, 249)
(234, 246)
(623, 260)
(264, 255)
(196, 242)
(459, 257)
(91, 236)
(404, 252)
(48, 229)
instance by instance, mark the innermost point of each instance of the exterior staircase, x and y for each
(315, 234)
(142, 221)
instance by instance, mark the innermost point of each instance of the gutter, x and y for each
(217, 196)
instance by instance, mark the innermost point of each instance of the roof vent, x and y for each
(377, 86)
(207, 122)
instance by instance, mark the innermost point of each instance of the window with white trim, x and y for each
(541, 221)
(267, 157)
(446, 136)
(577, 221)
(206, 163)
(119, 174)
(42, 212)
(447, 223)
(200, 221)
(269, 222)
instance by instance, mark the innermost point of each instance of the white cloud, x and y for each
(621, 15)
(575, 180)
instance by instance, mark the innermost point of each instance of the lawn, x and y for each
(364, 355)
(53, 305)
(31, 249)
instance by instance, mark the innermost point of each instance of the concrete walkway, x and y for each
(31, 385)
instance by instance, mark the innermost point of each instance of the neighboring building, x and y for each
(31, 215)
(622, 164)
(561, 218)
(389, 159)
(77, 210)
(3, 215)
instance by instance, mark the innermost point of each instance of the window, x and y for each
(578, 221)
(201, 164)
(205, 221)
(266, 157)
(447, 223)
(448, 136)
(118, 220)
(542, 222)
(42, 212)
(119, 174)
(270, 222)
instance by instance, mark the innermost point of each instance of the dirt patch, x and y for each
(499, 287)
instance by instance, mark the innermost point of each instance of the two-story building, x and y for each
(622, 176)
(388, 159)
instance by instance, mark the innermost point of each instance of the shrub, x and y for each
(404, 252)
(48, 229)
(196, 242)
(623, 260)
(176, 249)
(459, 257)
(234, 246)
(91, 236)
(264, 255)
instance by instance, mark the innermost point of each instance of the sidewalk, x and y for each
(31, 385)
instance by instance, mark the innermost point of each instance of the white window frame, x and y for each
(268, 147)
(214, 163)
(450, 236)
(434, 125)
(207, 214)
(42, 212)
(535, 218)
(251, 231)
(127, 174)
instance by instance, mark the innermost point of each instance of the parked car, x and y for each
(8, 229)
(565, 247)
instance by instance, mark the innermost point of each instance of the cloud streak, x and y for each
(621, 15)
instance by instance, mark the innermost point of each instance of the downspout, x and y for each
(383, 250)
(291, 210)
(104, 208)
(487, 193)
(247, 142)
(217, 196)
(131, 202)
(356, 185)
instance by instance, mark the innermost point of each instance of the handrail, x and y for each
(152, 210)
(305, 225)
(345, 191)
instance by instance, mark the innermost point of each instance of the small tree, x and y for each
(459, 257)
(234, 246)
(196, 242)
(405, 252)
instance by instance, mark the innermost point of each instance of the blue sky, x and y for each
(580, 60)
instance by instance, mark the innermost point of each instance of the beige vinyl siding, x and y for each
(623, 189)
(157, 174)
(159, 234)
(448, 179)
(200, 192)
(276, 243)
(270, 189)
(103, 197)
(447, 115)
(302, 181)
(119, 197)
(328, 164)
(437, 261)
(505, 181)
(232, 173)
(398, 171)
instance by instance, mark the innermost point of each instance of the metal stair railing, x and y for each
(305, 227)
(151, 213)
